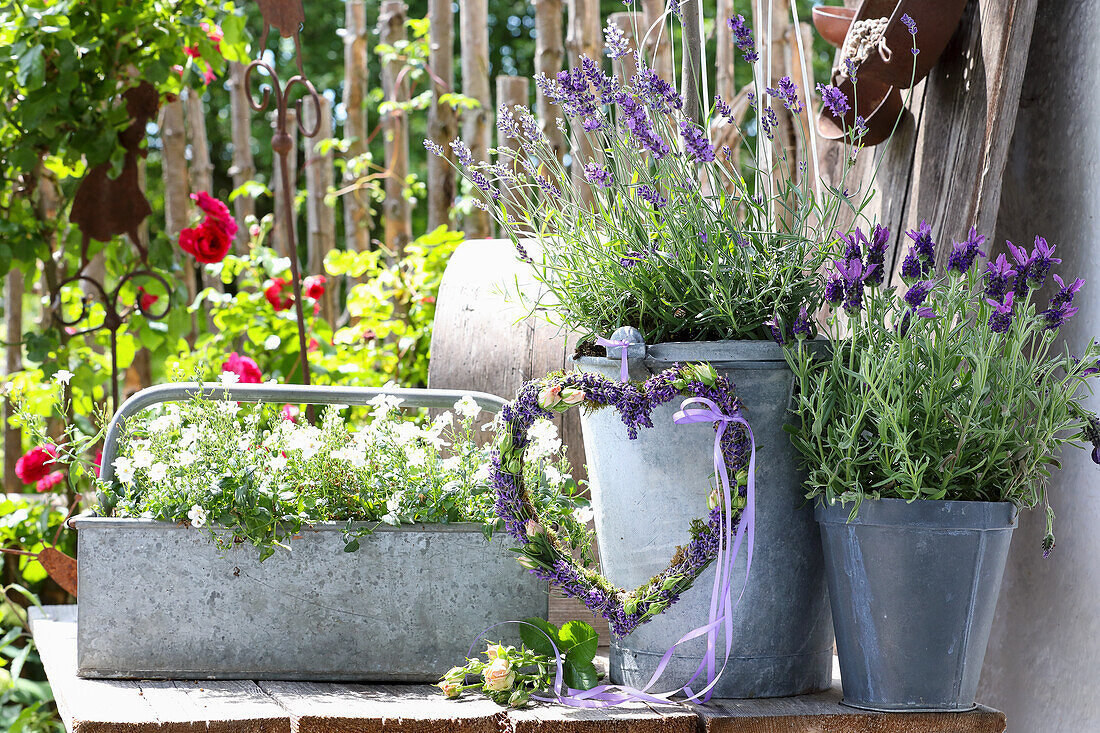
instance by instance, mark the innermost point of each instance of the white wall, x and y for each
(1043, 663)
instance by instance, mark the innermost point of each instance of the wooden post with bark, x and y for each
(201, 169)
(691, 69)
(177, 203)
(442, 121)
(243, 169)
(356, 200)
(13, 362)
(549, 57)
(584, 38)
(280, 240)
(658, 45)
(395, 127)
(477, 123)
(320, 218)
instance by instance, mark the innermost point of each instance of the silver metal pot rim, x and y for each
(131, 523)
(927, 514)
(731, 354)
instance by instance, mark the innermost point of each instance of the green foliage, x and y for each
(30, 524)
(939, 407)
(509, 676)
(26, 700)
(263, 478)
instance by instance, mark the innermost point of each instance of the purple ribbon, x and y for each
(624, 369)
(721, 603)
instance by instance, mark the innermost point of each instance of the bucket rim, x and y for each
(921, 514)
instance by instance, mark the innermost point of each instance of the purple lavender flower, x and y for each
(633, 117)
(853, 273)
(607, 86)
(695, 143)
(1065, 293)
(768, 122)
(803, 324)
(852, 249)
(506, 123)
(788, 92)
(1001, 318)
(924, 247)
(834, 100)
(657, 93)
(859, 128)
(998, 277)
(742, 38)
(917, 293)
(909, 23)
(850, 68)
(876, 254)
(1057, 316)
(631, 258)
(964, 253)
(462, 153)
(834, 290)
(597, 175)
(723, 109)
(911, 267)
(1042, 260)
(615, 41)
(777, 333)
(532, 134)
(652, 195)
(926, 312)
(1023, 266)
(433, 147)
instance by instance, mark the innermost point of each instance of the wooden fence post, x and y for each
(584, 38)
(690, 69)
(659, 46)
(279, 236)
(177, 204)
(549, 56)
(13, 362)
(356, 201)
(725, 56)
(395, 125)
(320, 218)
(243, 169)
(442, 121)
(201, 169)
(478, 123)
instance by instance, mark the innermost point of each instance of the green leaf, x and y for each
(580, 676)
(351, 546)
(535, 638)
(580, 641)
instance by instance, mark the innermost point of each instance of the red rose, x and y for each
(49, 481)
(275, 296)
(245, 367)
(216, 210)
(290, 413)
(208, 242)
(146, 300)
(97, 462)
(35, 463)
(428, 300)
(314, 286)
(314, 344)
(192, 51)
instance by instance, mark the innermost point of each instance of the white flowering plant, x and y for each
(260, 474)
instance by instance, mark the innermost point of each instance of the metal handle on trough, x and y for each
(294, 394)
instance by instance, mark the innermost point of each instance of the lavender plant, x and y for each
(654, 225)
(947, 388)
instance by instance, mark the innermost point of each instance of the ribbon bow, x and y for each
(721, 603)
(624, 369)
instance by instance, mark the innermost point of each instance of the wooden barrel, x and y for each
(484, 338)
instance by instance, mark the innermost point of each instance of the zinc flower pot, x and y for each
(913, 588)
(646, 491)
(160, 600)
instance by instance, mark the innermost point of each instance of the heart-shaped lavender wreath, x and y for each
(544, 554)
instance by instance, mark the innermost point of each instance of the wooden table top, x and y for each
(133, 706)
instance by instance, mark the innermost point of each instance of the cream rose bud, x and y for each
(533, 528)
(451, 689)
(550, 396)
(499, 675)
(492, 651)
(573, 397)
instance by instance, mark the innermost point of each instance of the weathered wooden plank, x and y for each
(323, 708)
(823, 713)
(634, 717)
(948, 156)
(124, 706)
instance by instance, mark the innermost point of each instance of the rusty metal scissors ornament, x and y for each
(284, 14)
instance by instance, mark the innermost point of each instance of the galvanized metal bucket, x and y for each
(646, 491)
(913, 589)
(159, 600)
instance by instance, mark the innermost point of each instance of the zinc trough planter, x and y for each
(646, 491)
(913, 588)
(163, 601)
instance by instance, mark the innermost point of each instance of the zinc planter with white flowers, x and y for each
(214, 565)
